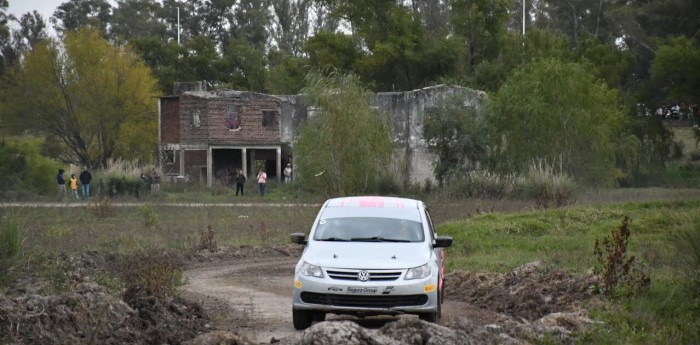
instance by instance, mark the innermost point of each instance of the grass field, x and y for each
(489, 235)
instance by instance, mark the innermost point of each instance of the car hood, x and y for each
(367, 255)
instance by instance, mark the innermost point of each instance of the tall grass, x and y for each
(548, 185)
(10, 244)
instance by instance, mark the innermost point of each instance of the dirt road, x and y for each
(254, 298)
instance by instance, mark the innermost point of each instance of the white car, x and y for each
(369, 255)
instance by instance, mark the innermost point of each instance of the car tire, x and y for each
(433, 317)
(302, 319)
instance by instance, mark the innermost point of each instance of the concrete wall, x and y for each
(407, 110)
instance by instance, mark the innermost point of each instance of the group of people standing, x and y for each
(679, 112)
(85, 178)
(261, 179)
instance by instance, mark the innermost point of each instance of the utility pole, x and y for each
(178, 25)
(523, 17)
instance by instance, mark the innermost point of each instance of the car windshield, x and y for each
(370, 229)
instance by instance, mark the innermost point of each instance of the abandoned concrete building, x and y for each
(208, 136)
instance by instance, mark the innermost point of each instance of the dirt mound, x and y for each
(530, 291)
(85, 314)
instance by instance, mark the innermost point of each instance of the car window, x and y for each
(368, 228)
(430, 225)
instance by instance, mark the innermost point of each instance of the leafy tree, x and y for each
(290, 25)
(163, 58)
(74, 14)
(95, 97)
(252, 18)
(286, 73)
(517, 50)
(216, 19)
(479, 23)
(199, 60)
(612, 64)
(553, 110)
(137, 18)
(457, 135)
(8, 55)
(332, 50)
(246, 68)
(23, 168)
(32, 30)
(676, 69)
(344, 147)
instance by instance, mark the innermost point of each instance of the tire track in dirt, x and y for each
(252, 298)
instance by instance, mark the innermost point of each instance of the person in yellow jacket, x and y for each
(73, 185)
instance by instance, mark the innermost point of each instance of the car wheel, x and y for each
(434, 316)
(302, 318)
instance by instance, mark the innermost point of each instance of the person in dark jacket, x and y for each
(61, 183)
(240, 181)
(85, 178)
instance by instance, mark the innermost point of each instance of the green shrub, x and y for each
(23, 168)
(156, 270)
(150, 217)
(10, 244)
(548, 186)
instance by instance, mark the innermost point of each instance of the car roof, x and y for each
(372, 206)
(373, 202)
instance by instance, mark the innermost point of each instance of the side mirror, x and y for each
(299, 238)
(443, 241)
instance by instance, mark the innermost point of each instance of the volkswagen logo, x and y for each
(363, 276)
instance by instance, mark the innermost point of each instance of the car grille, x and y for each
(364, 301)
(375, 276)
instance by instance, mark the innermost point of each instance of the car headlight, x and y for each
(308, 269)
(418, 272)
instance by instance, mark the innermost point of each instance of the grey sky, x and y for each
(44, 7)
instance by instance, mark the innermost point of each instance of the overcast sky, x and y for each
(44, 7)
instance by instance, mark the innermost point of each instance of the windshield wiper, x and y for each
(376, 239)
(334, 239)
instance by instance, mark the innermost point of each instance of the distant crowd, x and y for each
(679, 112)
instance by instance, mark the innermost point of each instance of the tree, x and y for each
(290, 25)
(137, 18)
(74, 14)
(458, 136)
(8, 55)
(517, 50)
(676, 69)
(558, 111)
(32, 30)
(479, 23)
(95, 97)
(24, 168)
(344, 147)
(246, 68)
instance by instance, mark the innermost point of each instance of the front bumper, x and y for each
(366, 298)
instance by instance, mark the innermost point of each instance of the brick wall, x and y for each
(212, 113)
(170, 120)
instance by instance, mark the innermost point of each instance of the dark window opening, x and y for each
(169, 157)
(269, 118)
